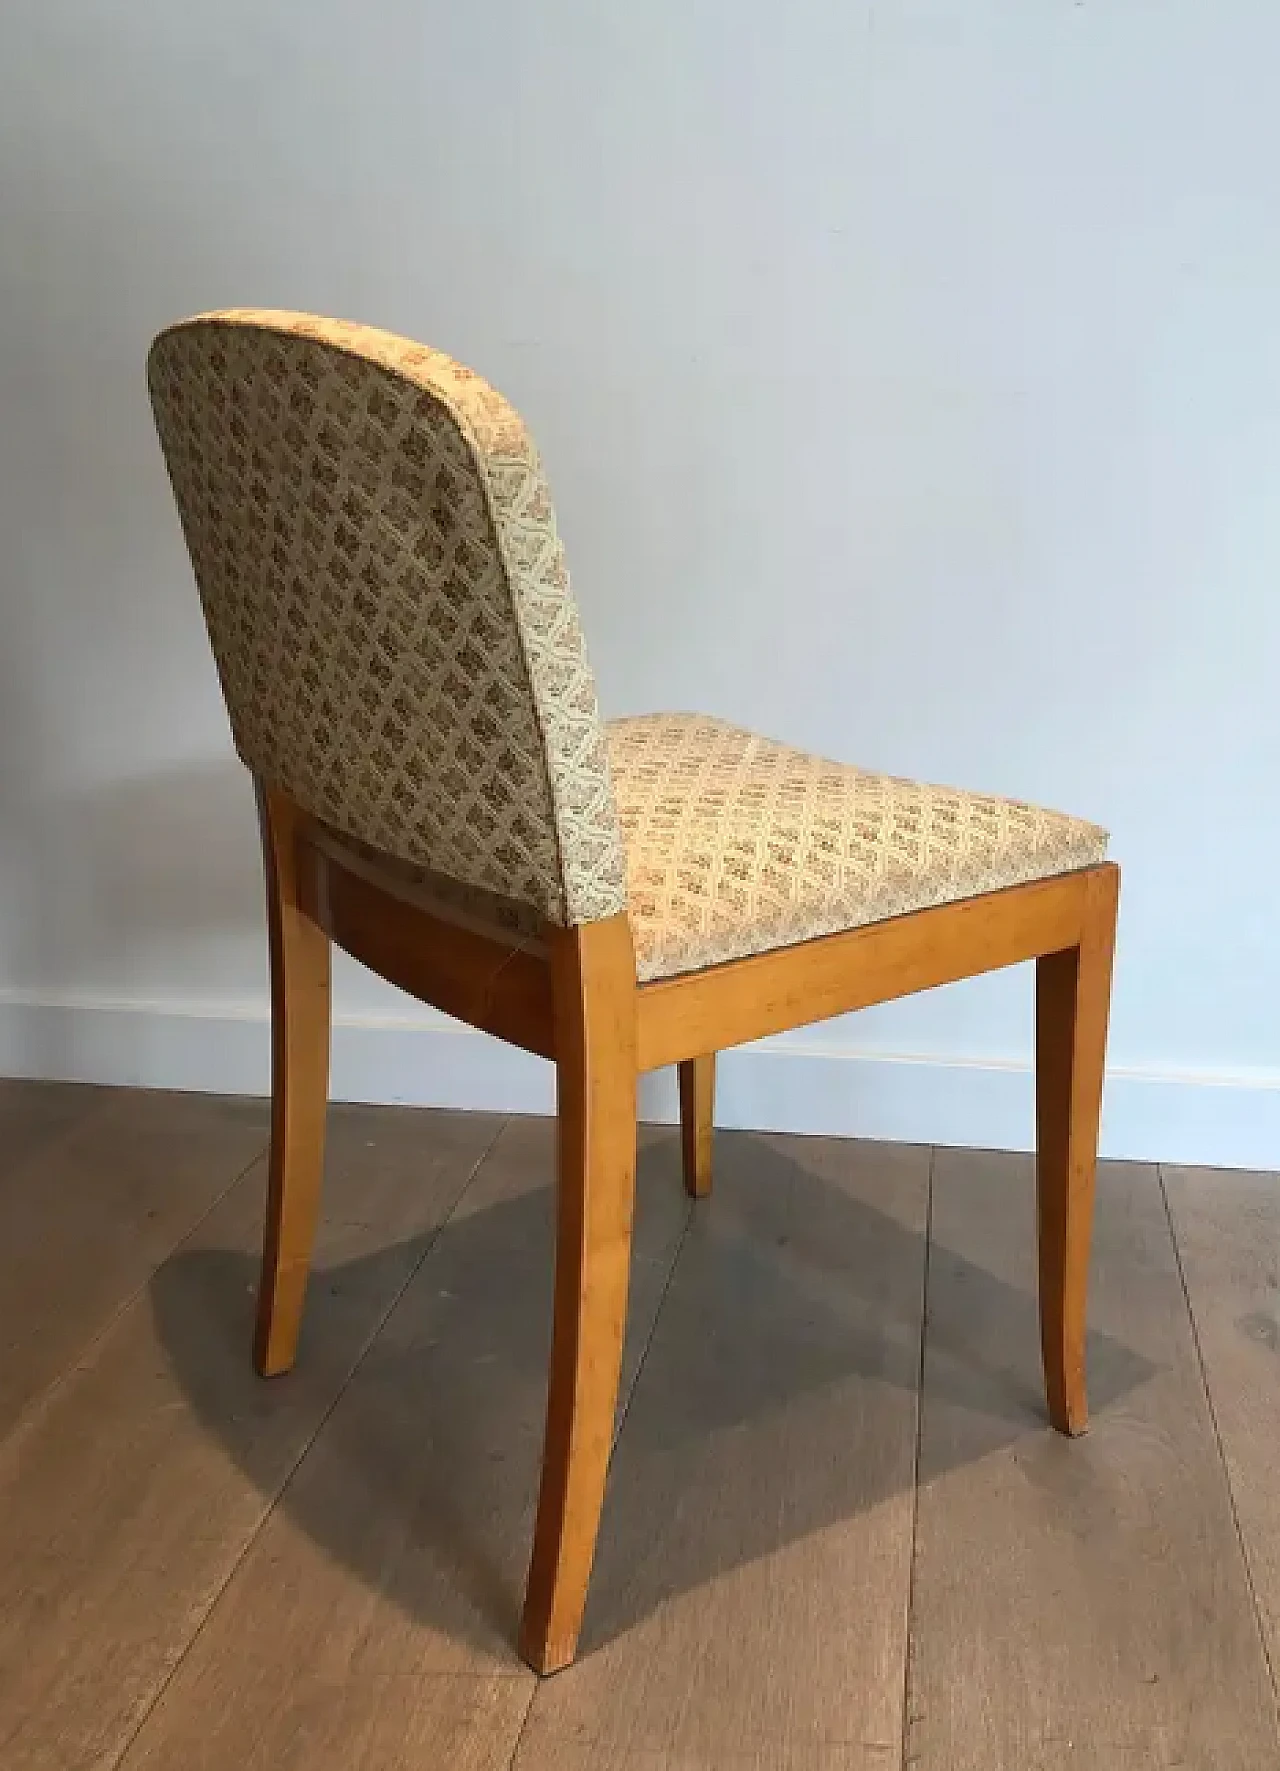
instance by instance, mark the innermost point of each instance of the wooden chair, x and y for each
(389, 611)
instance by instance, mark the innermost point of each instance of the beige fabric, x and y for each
(387, 599)
(736, 845)
(388, 604)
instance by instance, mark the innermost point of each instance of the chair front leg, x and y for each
(1073, 997)
(299, 1089)
(697, 1079)
(594, 983)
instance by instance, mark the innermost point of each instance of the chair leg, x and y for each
(299, 1090)
(697, 1078)
(594, 982)
(1073, 995)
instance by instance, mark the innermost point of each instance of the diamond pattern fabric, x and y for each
(390, 613)
(736, 845)
(388, 603)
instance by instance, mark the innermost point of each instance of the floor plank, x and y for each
(176, 1588)
(93, 1209)
(748, 1607)
(397, 1554)
(1227, 1227)
(1075, 1603)
(129, 1499)
(34, 1114)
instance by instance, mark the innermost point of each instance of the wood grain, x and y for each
(594, 973)
(571, 994)
(769, 993)
(92, 1210)
(1073, 1000)
(34, 1115)
(749, 1601)
(127, 1502)
(697, 1082)
(398, 1551)
(538, 1746)
(502, 987)
(299, 1718)
(300, 974)
(1076, 1603)
(1227, 1227)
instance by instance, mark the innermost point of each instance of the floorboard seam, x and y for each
(524, 1723)
(1217, 1439)
(363, 1353)
(653, 1326)
(908, 1640)
(36, 1409)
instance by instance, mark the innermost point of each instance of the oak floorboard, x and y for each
(395, 1558)
(1227, 1228)
(128, 1499)
(35, 1114)
(748, 1608)
(1076, 1603)
(177, 1588)
(90, 1213)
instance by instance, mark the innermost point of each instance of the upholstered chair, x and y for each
(406, 677)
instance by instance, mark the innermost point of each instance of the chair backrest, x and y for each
(388, 604)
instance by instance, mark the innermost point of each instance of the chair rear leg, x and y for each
(697, 1077)
(594, 983)
(299, 1089)
(1073, 996)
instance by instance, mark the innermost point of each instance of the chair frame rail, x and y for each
(571, 995)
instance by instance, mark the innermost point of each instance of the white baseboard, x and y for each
(1228, 1121)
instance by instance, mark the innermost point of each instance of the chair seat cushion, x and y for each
(736, 845)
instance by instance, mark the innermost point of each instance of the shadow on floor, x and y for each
(776, 1399)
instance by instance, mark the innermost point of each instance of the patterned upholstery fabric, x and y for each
(391, 617)
(736, 845)
(387, 599)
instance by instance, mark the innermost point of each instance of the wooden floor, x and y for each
(839, 1535)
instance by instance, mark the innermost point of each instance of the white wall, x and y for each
(909, 374)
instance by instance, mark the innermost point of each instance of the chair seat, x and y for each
(737, 845)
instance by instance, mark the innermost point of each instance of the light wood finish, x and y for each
(128, 1498)
(1228, 1232)
(1073, 997)
(369, 1622)
(772, 992)
(501, 987)
(300, 969)
(697, 1081)
(749, 1605)
(179, 1571)
(341, 1720)
(1084, 1604)
(572, 995)
(596, 1078)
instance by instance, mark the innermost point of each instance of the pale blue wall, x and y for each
(909, 375)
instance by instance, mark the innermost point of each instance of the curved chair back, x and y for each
(388, 604)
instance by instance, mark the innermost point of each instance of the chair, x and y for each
(401, 657)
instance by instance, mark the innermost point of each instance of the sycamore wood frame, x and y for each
(571, 995)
